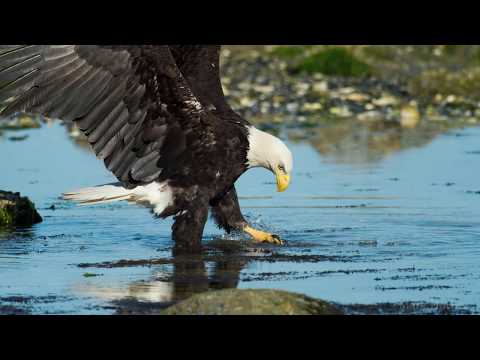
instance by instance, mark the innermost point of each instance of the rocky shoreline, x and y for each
(264, 85)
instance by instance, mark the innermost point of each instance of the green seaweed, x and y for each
(89, 275)
(6, 217)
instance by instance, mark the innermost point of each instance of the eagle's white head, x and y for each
(271, 153)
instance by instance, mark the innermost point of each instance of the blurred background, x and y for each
(370, 98)
(374, 99)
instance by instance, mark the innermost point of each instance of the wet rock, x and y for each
(16, 210)
(251, 302)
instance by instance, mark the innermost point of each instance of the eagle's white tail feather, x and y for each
(154, 195)
(99, 194)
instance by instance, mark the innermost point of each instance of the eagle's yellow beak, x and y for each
(283, 180)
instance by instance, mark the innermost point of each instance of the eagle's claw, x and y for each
(276, 240)
(263, 237)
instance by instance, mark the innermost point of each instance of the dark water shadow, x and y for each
(216, 266)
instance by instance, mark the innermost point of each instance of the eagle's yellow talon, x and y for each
(263, 237)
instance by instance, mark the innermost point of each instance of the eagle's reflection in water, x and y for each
(212, 269)
(192, 276)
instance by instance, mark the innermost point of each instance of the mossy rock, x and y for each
(16, 210)
(251, 302)
(333, 61)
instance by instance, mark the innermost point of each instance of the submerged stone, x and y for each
(251, 302)
(16, 210)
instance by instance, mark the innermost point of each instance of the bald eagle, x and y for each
(158, 118)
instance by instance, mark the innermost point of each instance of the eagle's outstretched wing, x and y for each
(200, 65)
(132, 102)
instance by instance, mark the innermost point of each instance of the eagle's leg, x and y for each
(228, 216)
(187, 229)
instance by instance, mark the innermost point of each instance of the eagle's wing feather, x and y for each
(132, 102)
(200, 65)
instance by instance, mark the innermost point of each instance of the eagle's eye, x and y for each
(281, 168)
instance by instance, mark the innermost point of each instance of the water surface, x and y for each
(404, 227)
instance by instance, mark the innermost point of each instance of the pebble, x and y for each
(358, 97)
(312, 106)
(385, 100)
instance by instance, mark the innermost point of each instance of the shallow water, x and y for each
(403, 228)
